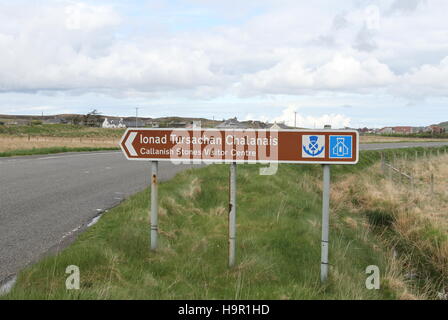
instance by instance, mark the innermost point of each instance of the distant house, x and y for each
(364, 130)
(113, 123)
(151, 124)
(232, 123)
(402, 130)
(434, 129)
(418, 129)
(256, 124)
(279, 126)
(386, 130)
(193, 125)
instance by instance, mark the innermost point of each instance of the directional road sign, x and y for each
(242, 145)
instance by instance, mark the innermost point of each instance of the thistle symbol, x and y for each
(313, 147)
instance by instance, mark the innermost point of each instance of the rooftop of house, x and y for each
(231, 123)
(280, 125)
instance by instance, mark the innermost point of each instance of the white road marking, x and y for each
(94, 221)
(7, 287)
(70, 233)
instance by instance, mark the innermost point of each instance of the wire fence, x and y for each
(415, 169)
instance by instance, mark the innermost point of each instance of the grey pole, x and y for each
(325, 223)
(232, 216)
(432, 182)
(154, 205)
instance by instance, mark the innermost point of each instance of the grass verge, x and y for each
(409, 215)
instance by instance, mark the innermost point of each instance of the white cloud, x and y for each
(291, 115)
(70, 48)
(289, 48)
(79, 16)
(342, 72)
(426, 80)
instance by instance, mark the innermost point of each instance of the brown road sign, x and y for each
(242, 145)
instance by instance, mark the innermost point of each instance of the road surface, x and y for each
(45, 200)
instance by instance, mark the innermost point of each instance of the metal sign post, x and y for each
(154, 204)
(325, 223)
(251, 146)
(232, 216)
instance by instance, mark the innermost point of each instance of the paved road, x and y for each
(45, 199)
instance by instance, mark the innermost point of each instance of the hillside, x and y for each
(444, 125)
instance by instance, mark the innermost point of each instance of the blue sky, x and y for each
(353, 63)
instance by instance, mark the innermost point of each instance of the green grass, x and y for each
(278, 243)
(51, 150)
(60, 130)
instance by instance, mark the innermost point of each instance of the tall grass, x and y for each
(409, 218)
(60, 130)
(12, 144)
(51, 150)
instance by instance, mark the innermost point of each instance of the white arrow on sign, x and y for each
(129, 146)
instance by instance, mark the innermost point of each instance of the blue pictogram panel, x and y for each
(341, 147)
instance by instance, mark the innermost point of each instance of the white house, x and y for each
(113, 123)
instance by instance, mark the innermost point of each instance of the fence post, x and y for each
(432, 183)
(390, 172)
(154, 205)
